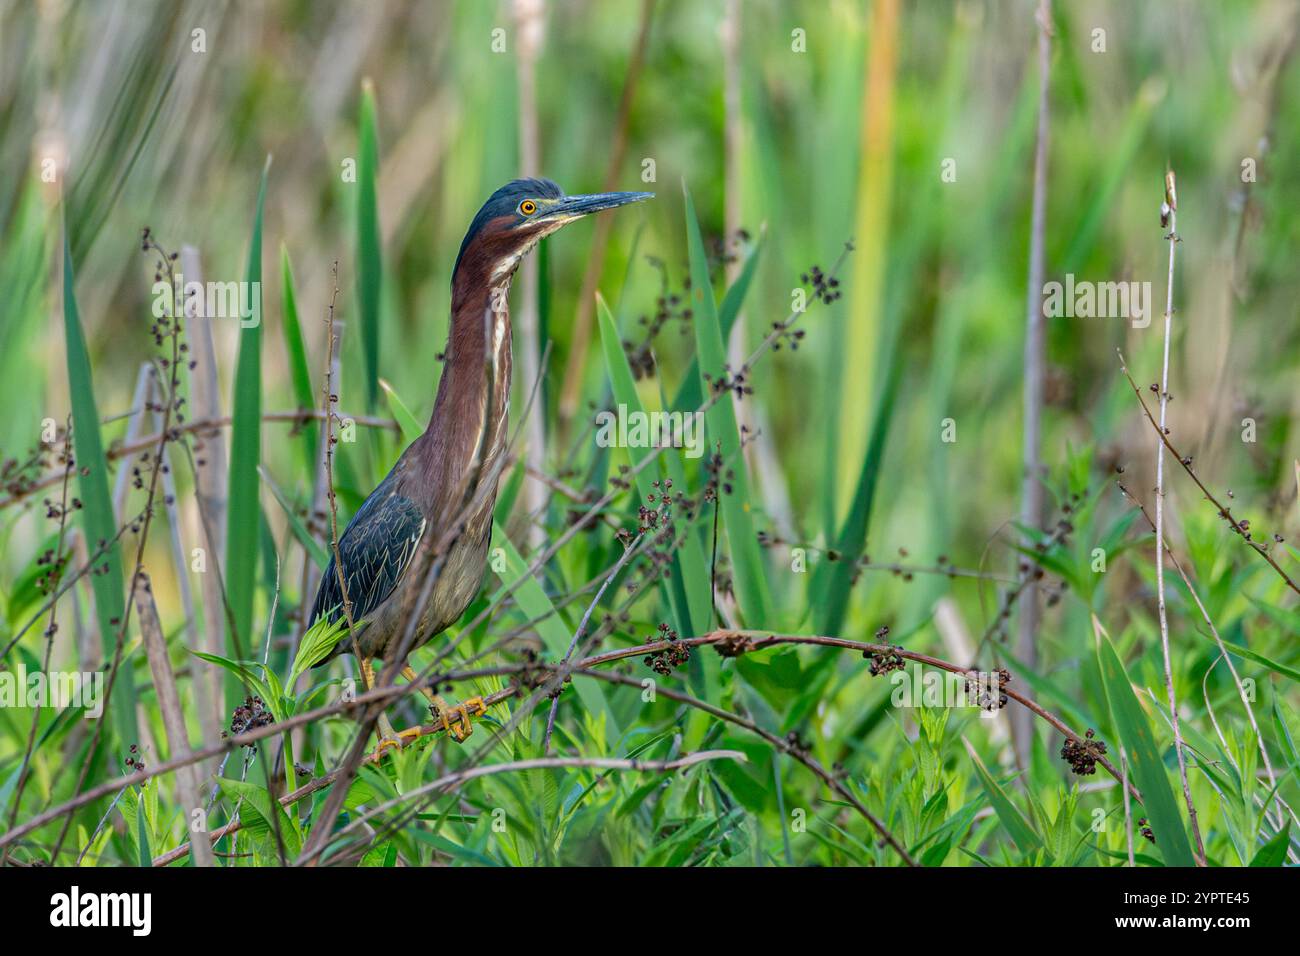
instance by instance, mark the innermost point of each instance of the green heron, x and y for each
(422, 500)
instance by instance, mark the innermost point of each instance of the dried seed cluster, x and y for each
(133, 759)
(981, 691)
(1082, 755)
(249, 715)
(825, 287)
(664, 661)
(884, 663)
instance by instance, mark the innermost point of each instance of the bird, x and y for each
(420, 540)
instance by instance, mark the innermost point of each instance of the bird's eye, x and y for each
(528, 207)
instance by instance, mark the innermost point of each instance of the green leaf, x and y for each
(243, 519)
(97, 514)
(1273, 853)
(411, 429)
(315, 646)
(313, 547)
(1283, 728)
(243, 671)
(689, 396)
(747, 561)
(297, 352)
(256, 803)
(536, 606)
(1010, 816)
(142, 835)
(1148, 768)
(369, 274)
(1275, 666)
(694, 618)
(836, 578)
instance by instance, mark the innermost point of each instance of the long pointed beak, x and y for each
(572, 207)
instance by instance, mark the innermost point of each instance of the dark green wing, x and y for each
(376, 549)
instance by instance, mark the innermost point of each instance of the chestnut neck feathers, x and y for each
(469, 418)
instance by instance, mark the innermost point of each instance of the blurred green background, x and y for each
(906, 128)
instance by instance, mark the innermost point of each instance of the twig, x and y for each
(169, 705)
(330, 401)
(1223, 651)
(1171, 204)
(582, 629)
(1128, 811)
(170, 405)
(1031, 492)
(210, 492)
(1224, 511)
(55, 576)
(199, 426)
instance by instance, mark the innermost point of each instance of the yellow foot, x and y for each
(395, 740)
(456, 720)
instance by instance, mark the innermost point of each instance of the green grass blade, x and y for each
(411, 428)
(297, 352)
(314, 548)
(690, 619)
(243, 521)
(1273, 853)
(747, 562)
(688, 589)
(1008, 813)
(690, 395)
(555, 634)
(1148, 769)
(142, 835)
(1277, 667)
(97, 513)
(836, 582)
(369, 267)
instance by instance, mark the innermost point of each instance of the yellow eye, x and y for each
(528, 207)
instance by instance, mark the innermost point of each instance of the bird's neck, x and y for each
(478, 342)
(468, 423)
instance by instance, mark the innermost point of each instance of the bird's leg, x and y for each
(454, 720)
(436, 702)
(388, 737)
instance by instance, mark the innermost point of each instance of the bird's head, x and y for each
(518, 216)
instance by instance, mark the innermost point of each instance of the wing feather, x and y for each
(376, 550)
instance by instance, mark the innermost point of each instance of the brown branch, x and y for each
(188, 781)
(1223, 651)
(197, 426)
(456, 778)
(330, 401)
(55, 576)
(169, 408)
(784, 745)
(1224, 511)
(738, 641)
